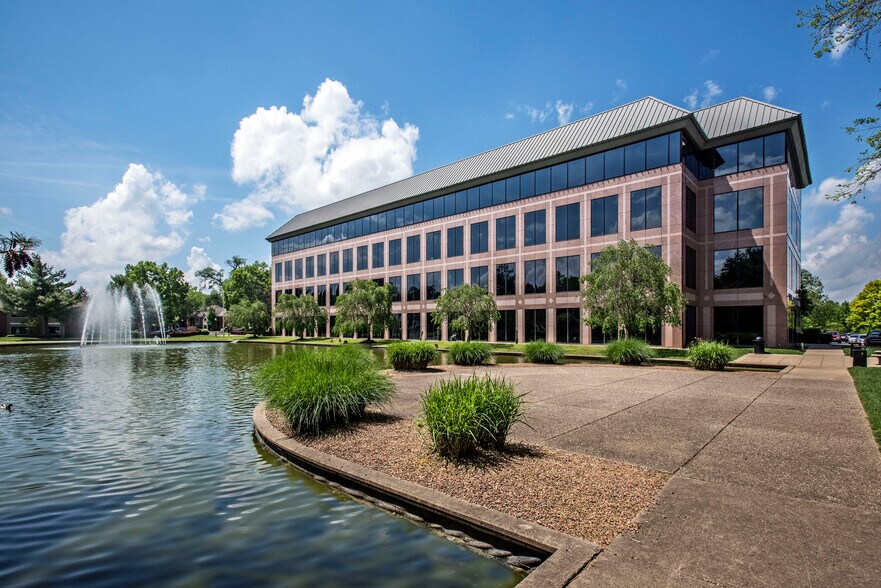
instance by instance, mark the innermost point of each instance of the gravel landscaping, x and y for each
(583, 496)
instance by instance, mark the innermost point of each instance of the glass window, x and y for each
(656, 152)
(347, 260)
(576, 173)
(394, 252)
(506, 327)
(480, 276)
(414, 247)
(505, 233)
(726, 160)
(298, 269)
(568, 273)
(288, 271)
(322, 264)
(725, 212)
(536, 324)
(568, 225)
(738, 268)
(654, 250)
(455, 242)
(379, 254)
(278, 272)
(559, 179)
(455, 277)
(414, 326)
(505, 279)
(322, 298)
(645, 209)
(461, 202)
(395, 283)
(634, 158)
(595, 172)
(432, 285)
(473, 198)
(604, 216)
(527, 185)
(534, 227)
(310, 267)
(542, 181)
(750, 154)
(734, 211)
(362, 257)
(498, 192)
(334, 262)
(413, 288)
(480, 237)
(775, 149)
(449, 205)
(535, 278)
(486, 195)
(614, 160)
(298, 291)
(433, 245)
(738, 325)
(568, 325)
(690, 210)
(690, 267)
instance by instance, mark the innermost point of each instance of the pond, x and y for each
(138, 465)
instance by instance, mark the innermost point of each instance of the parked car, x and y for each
(853, 338)
(874, 337)
(184, 332)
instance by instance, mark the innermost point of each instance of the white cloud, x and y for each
(709, 56)
(331, 149)
(205, 239)
(142, 218)
(712, 90)
(197, 260)
(5, 211)
(564, 111)
(824, 105)
(620, 90)
(769, 93)
(841, 42)
(509, 115)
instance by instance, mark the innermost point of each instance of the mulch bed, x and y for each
(580, 495)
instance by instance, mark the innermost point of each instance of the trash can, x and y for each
(759, 345)
(858, 353)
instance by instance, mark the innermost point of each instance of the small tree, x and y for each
(629, 290)
(365, 307)
(40, 293)
(251, 316)
(865, 309)
(299, 314)
(467, 308)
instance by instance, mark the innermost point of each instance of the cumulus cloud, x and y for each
(711, 91)
(328, 150)
(197, 260)
(769, 93)
(562, 111)
(142, 218)
(5, 211)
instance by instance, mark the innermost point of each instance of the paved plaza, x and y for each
(776, 479)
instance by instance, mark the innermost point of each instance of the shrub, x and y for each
(543, 352)
(709, 355)
(629, 352)
(411, 355)
(461, 415)
(318, 388)
(471, 353)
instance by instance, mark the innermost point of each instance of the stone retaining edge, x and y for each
(567, 555)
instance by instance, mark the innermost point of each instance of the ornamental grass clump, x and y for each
(543, 352)
(316, 389)
(629, 352)
(464, 414)
(469, 353)
(709, 355)
(409, 355)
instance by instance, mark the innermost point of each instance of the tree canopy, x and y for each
(468, 308)
(39, 293)
(17, 250)
(839, 25)
(365, 308)
(169, 282)
(865, 309)
(629, 290)
(248, 282)
(299, 314)
(251, 316)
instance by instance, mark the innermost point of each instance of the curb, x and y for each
(566, 556)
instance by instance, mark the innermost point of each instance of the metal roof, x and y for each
(603, 128)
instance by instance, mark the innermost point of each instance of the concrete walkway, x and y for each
(776, 479)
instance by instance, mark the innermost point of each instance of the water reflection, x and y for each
(138, 466)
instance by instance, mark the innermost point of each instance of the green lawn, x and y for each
(868, 383)
(11, 340)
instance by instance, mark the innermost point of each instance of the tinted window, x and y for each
(480, 237)
(480, 276)
(656, 152)
(334, 262)
(750, 154)
(362, 257)
(690, 210)
(527, 185)
(413, 249)
(535, 278)
(576, 173)
(726, 160)
(347, 260)
(534, 227)
(614, 163)
(690, 267)
(395, 283)
(738, 268)
(505, 233)
(322, 264)
(378, 254)
(595, 171)
(505, 279)
(455, 277)
(738, 210)
(542, 181)
(725, 212)
(559, 177)
(634, 158)
(536, 324)
(775, 149)
(498, 188)
(512, 189)
(413, 289)
(645, 209)
(568, 269)
(310, 267)
(278, 272)
(486, 195)
(506, 326)
(455, 242)
(604, 216)
(394, 252)
(433, 245)
(473, 198)
(432, 285)
(568, 325)
(322, 298)
(298, 269)
(568, 225)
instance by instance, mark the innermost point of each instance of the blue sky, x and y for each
(118, 124)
